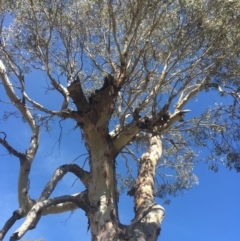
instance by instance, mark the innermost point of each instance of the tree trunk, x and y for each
(102, 187)
(102, 191)
(104, 221)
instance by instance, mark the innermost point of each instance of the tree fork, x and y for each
(104, 223)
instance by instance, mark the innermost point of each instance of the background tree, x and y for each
(125, 70)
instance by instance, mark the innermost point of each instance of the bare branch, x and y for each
(36, 211)
(17, 214)
(234, 94)
(176, 116)
(15, 100)
(124, 135)
(11, 150)
(26, 160)
(61, 89)
(40, 107)
(81, 201)
(54, 205)
(59, 173)
(143, 190)
(76, 93)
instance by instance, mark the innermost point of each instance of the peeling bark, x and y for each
(104, 223)
(148, 214)
(102, 189)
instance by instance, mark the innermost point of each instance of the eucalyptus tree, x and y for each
(126, 71)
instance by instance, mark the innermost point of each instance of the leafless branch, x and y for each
(194, 90)
(59, 173)
(17, 214)
(77, 94)
(40, 208)
(11, 150)
(40, 107)
(26, 161)
(61, 89)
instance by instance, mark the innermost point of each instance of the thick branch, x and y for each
(143, 189)
(76, 93)
(59, 173)
(35, 213)
(183, 100)
(124, 135)
(103, 102)
(18, 214)
(176, 116)
(83, 203)
(26, 160)
(147, 213)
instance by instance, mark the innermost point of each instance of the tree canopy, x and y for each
(128, 72)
